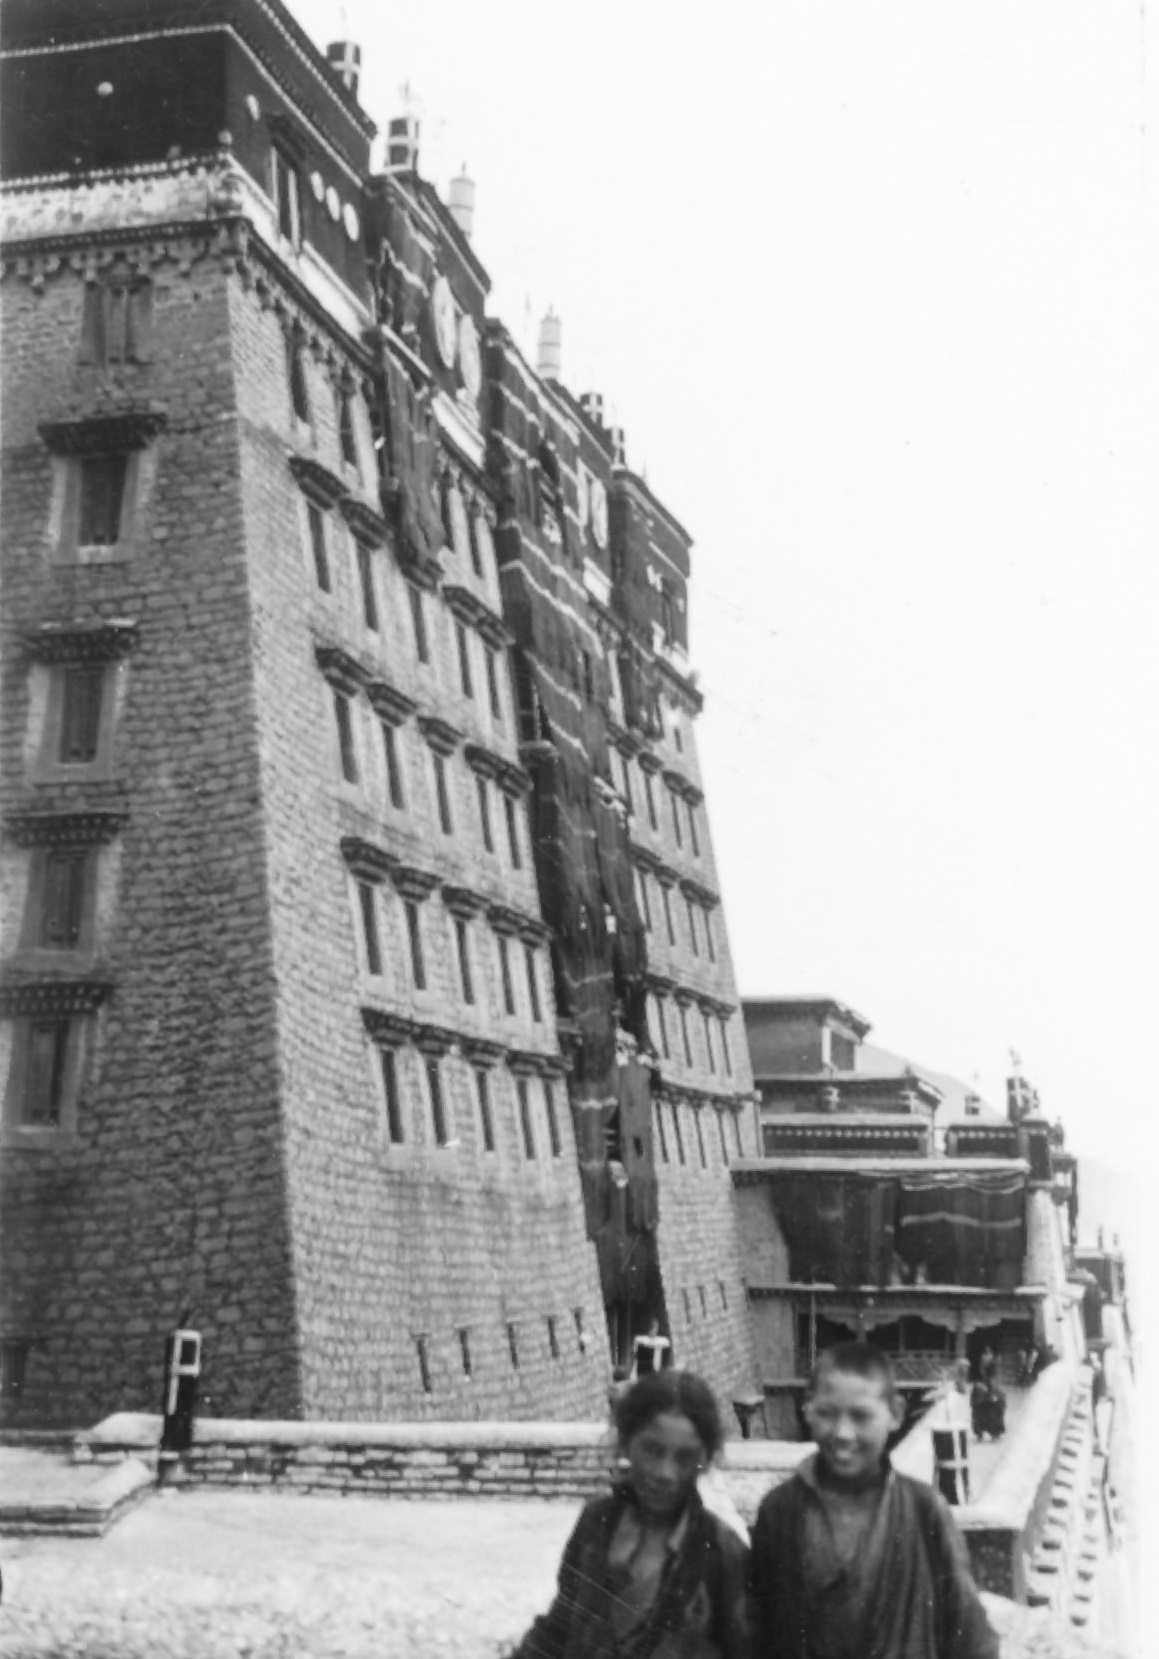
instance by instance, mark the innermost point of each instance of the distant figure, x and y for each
(649, 1569)
(987, 1400)
(1027, 1365)
(987, 1366)
(849, 1557)
(651, 1352)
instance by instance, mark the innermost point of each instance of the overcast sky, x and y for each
(867, 285)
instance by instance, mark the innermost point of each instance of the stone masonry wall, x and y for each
(169, 1195)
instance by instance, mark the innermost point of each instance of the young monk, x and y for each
(649, 1572)
(851, 1560)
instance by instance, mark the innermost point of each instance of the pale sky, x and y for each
(869, 286)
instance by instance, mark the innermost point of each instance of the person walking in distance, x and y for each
(851, 1560)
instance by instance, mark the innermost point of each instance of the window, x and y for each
(287, 195)
(393, 768)
(346, 439)
(661, 1136)
(422, 1349)
(513, 1345)
(46, 1063)
(117, 323)
(668, 914)
(700, 1291)
(694, 839)
(724, 1048)
(13, 1367)
(465, 1351)
(80, 716)
(553, 1133)
(675, 800)
(367, 906)
(663, 1023)
(679, 1133)
(668, 615)
(645, 901)
(708, 939)
(442, 794)
(723, 1294)
(391, 1096)
(419, 623)
(532, 983)
(692, 927)
(581, 1336)
(589, 681)
(479, 530)
(296, 370)
(708, 1043)
(724, 1158)
(687, 1307)
(438, 1108)
(346, 751)
(523, 1094)
(366, 585)
(486, 1117)
(678, 737)
(485, 813)
(505, 976)
(414, 933)
(489, 662)
(463, 945)
(552, 1337)
(684, 1034)
(512, 816)
(317, 525)
(626, 773)
(62, 907)
(697, 1115)
(736, 1134)
(464, 660)
(650, 799)
(102, 494)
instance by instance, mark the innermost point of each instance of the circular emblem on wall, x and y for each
(443, 316)
(484, 544)
(583, 495)
(333, 205)
(470, 364)
(317, 188)
(350, 220)
(599, 513)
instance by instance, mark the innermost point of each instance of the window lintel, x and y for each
(110, 431)
(34, 828)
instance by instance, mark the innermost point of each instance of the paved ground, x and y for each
(238, 1575)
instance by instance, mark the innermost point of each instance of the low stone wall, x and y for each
(413, 1460)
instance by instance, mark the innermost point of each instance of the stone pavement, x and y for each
(237, 1575)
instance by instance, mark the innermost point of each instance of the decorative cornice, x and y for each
(538, 751)
(33, 828)
(479, 1051)
(650, 762)
(682, 786)
(89, 642)
(684, 995)
(664, 873)
(660, 985)
(435, 1040)
(483, 761)
(526, 1062)
(316, 481)
(412, 882)
(52, 996)
(512, 779)
(470, 609)
(341, 669)
(463, 901)
(388, 1030)
(423, 569)
(365, 524)
(100, 431)
(443, 738)
(644, 858)
(622, 739)
(389, 703)
(696, 890)
(366, 860)
(515, 924)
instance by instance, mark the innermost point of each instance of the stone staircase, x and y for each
(1062, 1573)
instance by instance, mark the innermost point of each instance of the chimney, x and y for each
(549, 362)
(461, 202)
(402, 144)
(592, 404)
(345, 60)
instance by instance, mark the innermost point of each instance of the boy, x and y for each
(851, 1560)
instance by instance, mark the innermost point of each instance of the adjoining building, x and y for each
(325, 991)
(866, 1217)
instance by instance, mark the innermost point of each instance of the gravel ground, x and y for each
(208, 1575)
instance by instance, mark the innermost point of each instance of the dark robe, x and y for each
(910, 1595)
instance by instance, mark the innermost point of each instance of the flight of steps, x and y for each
(1063, 1567)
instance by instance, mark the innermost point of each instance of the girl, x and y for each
(649, 1572)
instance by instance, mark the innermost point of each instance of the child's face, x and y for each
(665, 1456)
(851, 1418)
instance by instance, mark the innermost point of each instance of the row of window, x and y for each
(682, 811)
(383, 915)
(516, 1342)
(717, 1050)
(674, 1138)
(498, 815)
(419, 1093)
(702, 1300)
(698, 915)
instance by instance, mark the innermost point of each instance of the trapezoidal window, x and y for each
(102, 497)
(287, 193)
(296, 370)
(117, 324)
(82, 697)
